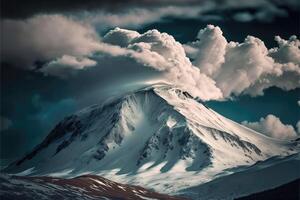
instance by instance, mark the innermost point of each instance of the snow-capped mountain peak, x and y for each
(152, 137)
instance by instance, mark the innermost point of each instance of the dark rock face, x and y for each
(235, 141)
(87, 187)
(162, 145)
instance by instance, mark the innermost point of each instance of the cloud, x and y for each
(104, 20)
(247, 67)
(45, 37)
(287, 52)
(161, 52)
(285, 72)
(9, 9)
(5, 123)
(120, 37)
(120, 54)
(61, 66)
(151, 51)
(219, 69)
(209, 51)
(243, 17)
(272, 127)
(265, 15)
(33, 7)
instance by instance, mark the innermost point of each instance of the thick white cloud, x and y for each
(161, 52)
(244, 64)
(247, 67)
(122, 49)
(286, 68)
(120, 37)
(273, 127)
(45, 37)
(209, 51)
(287, 52)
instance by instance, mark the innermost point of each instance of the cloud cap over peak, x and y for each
(210, 67)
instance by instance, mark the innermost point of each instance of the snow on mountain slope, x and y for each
(88, 187)
(262, 176)
(158, 137)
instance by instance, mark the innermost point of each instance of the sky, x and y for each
(241, 58)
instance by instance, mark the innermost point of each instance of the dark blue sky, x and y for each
(35, 103)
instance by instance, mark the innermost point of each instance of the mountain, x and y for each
(88, 187)
(263, 175)
(159, 137)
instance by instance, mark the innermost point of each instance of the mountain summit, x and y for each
(159, 137)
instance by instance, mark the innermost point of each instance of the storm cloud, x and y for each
(22, 9)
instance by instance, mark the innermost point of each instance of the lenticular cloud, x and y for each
(150, 50)
(161, 52)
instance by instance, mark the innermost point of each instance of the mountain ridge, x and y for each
(159, 137)
(88, 187)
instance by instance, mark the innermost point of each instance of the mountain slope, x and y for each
(88, 187)
(259, 177)
(159, 137)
